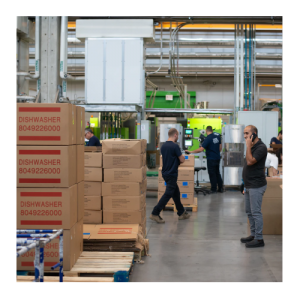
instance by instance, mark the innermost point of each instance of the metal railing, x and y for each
(29, 239)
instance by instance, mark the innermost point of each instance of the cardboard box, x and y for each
(93, 174)
(44, 208)
(184, 174)
(80, 162)
(184, 186)
(111, 232)
(273, 187)
(189, 161)
(80, 125)
(92, 188)
(92, 203)
(124, 161)
(124, 202)
(92, 148)
(124, 217)
(46, 124)
(93, 159)
(72, 248)
(92, 217)
(272, 215)
(43, 166)
(125, 175)
(185, 198)
(124, 147)
(80, 200)
(124, 188)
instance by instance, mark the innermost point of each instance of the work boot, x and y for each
(255, 243)
(247, 239)
(184, 216)
(157, 219)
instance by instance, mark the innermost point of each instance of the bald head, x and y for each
(249, 130)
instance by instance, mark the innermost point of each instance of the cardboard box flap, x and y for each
(111, 232)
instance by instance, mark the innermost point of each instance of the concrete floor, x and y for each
(207, 247)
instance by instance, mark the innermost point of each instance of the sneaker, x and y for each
(184, 216)
(247, 239)
(157, 219)
(255, 243)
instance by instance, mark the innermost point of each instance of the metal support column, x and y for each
(50, 52)
(138, 123)
(185, 100)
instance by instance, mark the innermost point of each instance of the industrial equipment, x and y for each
(187, 137)
(163, 133)
(233, 145)
(266, 123)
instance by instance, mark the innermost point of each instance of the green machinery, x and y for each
(110, 126)
(199, 124)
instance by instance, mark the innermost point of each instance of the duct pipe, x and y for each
(242, 69)
(237, 68)
(26, 97)
(161, 52)
(36, 75)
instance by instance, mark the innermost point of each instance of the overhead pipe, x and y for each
(242, 70)
(36, 75)
(161, 52)
(64, 57)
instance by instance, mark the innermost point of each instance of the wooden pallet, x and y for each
(101, 263)
(66, 279)
(194, 206)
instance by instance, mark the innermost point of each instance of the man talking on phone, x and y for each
(255, 185)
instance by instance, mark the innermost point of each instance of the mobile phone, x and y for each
(253, 136)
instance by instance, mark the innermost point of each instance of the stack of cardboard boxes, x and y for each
(50, 174)
(185, 181)
(125, 182)
(93, 176)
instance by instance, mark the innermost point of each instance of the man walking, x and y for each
(213, 146)
(255, 185)
(172, 157)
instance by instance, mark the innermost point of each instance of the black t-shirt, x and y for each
(94, 141)
(170, 154)
(212, 146)
(274, 139)
(254, 176)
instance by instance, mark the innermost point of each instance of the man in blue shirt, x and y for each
(93, 140)
(172, 157)
(277, 140)
(212, 145)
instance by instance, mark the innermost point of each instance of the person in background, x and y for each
(172, 157)
(255, 185)
(93, 140)
(274, 160)
(213, 146)
(277, 140)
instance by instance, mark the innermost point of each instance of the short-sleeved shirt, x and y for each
(170, 154)
(212, 146)
(254, 176)
(271, 161)
(274, 139)
(94, 141)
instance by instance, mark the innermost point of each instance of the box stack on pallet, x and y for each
(185, 183)
(125, 182)
(50, 174)
(93, 176)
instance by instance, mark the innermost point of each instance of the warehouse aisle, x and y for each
(207, 247)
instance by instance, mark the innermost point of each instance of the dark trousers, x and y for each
(172, 191)
(215, 178)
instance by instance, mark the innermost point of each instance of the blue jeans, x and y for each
(172, 191)
(253, 201)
